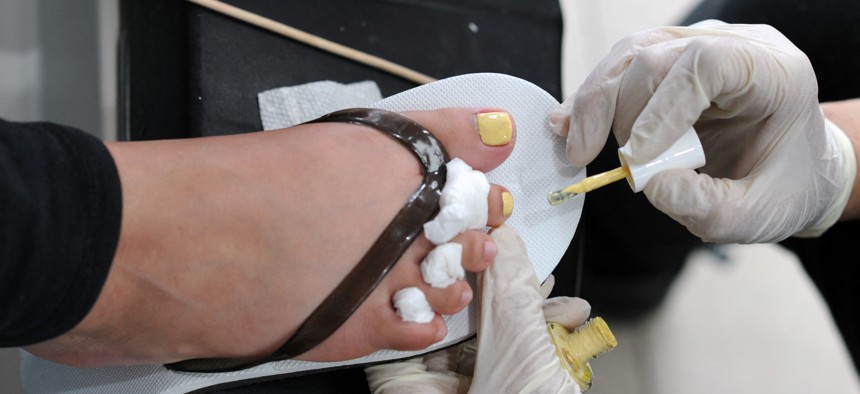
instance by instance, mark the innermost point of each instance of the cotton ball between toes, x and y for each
(443, 265)
(463, 206)
(412, 306)
(463, 203)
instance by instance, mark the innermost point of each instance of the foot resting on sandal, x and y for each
(229, 243)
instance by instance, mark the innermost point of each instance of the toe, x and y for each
(397, 334)
(451, 299)
(402, 335)
(482, 137)
(500, 205)
(479, 250)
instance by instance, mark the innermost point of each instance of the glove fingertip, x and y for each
(547, 286)
(511, 249)
(559, 118)
(570, 312)
(583, 143)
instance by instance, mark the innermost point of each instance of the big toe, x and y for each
(482, 137)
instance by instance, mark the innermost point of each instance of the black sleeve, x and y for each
(60, 213)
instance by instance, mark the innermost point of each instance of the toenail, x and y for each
(507, 203)
(490, 251)
(495, 128)
(466, 298)
(440, 335)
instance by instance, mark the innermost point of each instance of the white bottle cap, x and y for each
(686, 153)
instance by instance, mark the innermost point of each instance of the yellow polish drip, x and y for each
(495, 128)
(576, 348)
(507, 203)
(586, 185)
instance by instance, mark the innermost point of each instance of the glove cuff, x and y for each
(841, 147)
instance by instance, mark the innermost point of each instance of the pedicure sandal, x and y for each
(537, 165)
(379, 259)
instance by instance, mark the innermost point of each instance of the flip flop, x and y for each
(536, 166)
(404, 229)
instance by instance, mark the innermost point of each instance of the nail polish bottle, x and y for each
(576, 348)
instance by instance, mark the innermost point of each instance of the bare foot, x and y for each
(228, 243)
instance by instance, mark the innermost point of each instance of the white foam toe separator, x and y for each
(536, 166)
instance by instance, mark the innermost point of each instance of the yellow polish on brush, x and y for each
(587, 185)
(685, 153)
(576, 348)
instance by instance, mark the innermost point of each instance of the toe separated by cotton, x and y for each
(463, 205)
(442, 266)
(412, 306)
(440, 269)
(536, 165)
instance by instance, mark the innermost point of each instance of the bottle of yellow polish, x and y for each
(576, 348)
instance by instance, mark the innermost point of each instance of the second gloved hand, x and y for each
(774, 168)
(514, 352)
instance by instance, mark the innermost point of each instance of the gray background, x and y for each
(56, 64)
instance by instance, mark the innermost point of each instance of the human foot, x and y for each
(229, 242)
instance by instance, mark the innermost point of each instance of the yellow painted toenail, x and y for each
(495, 128)
(507, 203)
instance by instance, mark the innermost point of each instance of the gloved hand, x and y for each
(774, 168)
(513, 352)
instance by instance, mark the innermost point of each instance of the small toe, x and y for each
(479, 250)
(451, 299)
(500, 205)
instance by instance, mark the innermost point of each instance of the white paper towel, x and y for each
(536, 166)
(288, 106)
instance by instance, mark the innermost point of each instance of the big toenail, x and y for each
(495, 128)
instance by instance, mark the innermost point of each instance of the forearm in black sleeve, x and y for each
(60, 213)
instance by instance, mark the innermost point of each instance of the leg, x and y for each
(263, 226)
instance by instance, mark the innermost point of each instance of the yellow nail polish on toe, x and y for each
(495, 128)
(507, 203)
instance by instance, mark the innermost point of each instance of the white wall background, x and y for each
(593, 26)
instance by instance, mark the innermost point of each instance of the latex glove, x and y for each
(515, 353)
(774, 169)
(438, 373)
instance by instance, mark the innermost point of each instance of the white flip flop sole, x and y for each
(536, 166)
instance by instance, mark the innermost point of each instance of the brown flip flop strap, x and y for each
(382, 255)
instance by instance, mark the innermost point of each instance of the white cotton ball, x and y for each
(463, 204)
(442, 266)
(412, 306)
